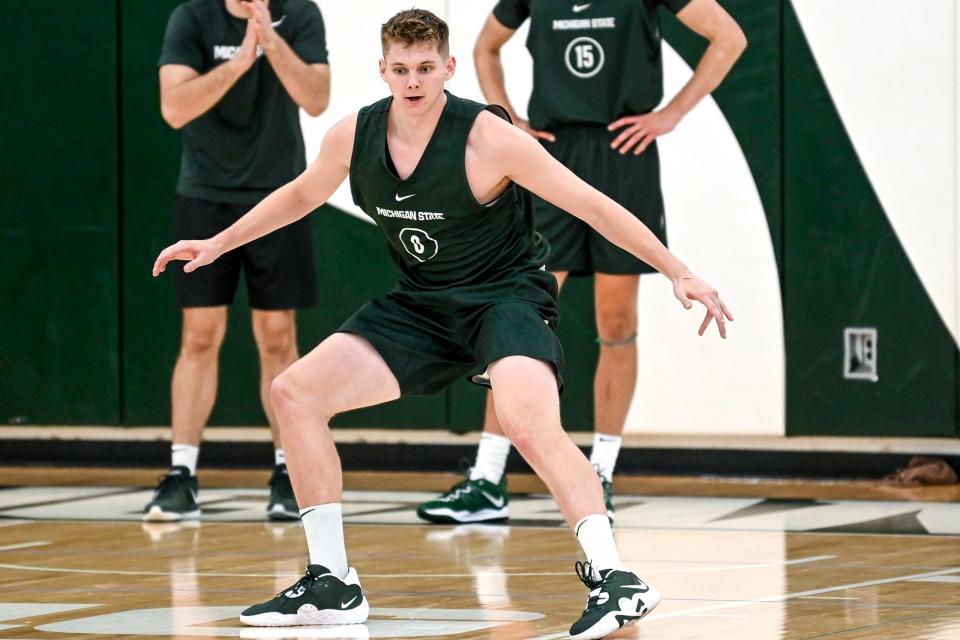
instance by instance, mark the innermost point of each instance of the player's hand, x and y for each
(197, 253)
(540, 135)
(690, 287)
(262, 24)
(639, 131)
(247, 53)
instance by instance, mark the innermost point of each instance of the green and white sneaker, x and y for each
(469, 501)
(617, 599)
(319, 597)
(282, 504)
(174, 499)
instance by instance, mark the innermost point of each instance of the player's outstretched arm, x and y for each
(526, 162)
(285, 205)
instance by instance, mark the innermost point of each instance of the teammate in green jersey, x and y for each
(442, 178)
(597, 78)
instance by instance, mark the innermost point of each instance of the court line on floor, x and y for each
(799, 594)
(366, 576)
(737, 567)
(106, 493)
(24, 545)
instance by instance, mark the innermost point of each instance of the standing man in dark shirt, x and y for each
(597, 78)
(233, 76)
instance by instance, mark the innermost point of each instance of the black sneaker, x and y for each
(319, 597)
(469, 501)
(282, 504)
(617, 599)
(174, 499)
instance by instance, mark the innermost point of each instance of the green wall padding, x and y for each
(845, 267)
(59, 350)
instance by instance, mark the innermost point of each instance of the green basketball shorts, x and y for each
(429, 338)
(631, 181)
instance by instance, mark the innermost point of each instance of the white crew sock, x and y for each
(596, 540)
(184, 455)
(323, 526)
(604, 454)
(491, 458)
(279, 457)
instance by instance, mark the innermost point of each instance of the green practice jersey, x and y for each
(593, 62)
(439, 235)
(250, 142)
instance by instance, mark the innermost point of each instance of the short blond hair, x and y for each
(414, 26)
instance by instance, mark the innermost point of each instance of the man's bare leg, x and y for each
(344, 372)
(527, 403)
(275, 333)
(528, 407)
(193, 391)
(194, 384)
(615, 303)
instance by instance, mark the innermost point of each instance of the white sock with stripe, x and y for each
(596, 540)
(323, 526)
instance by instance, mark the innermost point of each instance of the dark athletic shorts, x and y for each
(278, 267)
(431, 338)
(632, 181)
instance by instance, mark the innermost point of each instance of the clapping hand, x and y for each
(262, 23)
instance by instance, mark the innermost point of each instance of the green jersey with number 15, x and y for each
(593, 61)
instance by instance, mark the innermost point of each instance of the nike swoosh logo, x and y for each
(497, 502)
(280, 21)
(577, 8)
(347, 604)
(195, 498)
(400, 198)
(638, 587)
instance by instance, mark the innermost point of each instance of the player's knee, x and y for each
(276, 344)
(616, 325)
(200, 341)
(275, 337)
(284, 392)
(523, 433)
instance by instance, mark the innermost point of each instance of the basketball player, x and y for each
(442, 178)
(598, 76)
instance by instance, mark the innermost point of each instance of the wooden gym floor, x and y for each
(741, 561)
